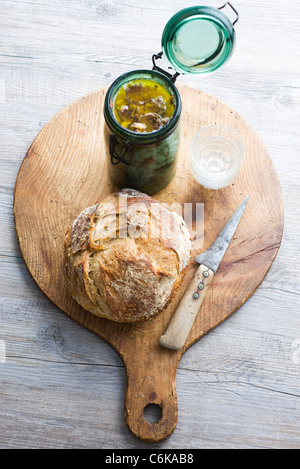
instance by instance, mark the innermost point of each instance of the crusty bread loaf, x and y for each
(126, 256)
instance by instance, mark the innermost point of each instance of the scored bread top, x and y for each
(126, 256)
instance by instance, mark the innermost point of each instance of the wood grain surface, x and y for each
(65, 171)
(62, 386)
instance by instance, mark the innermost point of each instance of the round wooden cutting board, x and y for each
(64, 171)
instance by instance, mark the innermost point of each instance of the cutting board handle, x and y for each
(151, 382)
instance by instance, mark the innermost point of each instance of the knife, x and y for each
(181, 323)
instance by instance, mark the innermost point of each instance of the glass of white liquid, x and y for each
(217, 152)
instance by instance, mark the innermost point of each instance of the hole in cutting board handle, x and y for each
(152, 413)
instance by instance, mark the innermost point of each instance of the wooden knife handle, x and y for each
(181, 323)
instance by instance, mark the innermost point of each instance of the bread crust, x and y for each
(126, 256)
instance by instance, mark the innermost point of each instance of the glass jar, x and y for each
(195, 40)
(142, 161)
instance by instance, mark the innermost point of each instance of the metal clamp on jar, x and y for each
(142, 131)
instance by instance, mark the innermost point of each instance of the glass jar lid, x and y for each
(198, 39)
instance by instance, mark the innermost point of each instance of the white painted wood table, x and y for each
(63, 387)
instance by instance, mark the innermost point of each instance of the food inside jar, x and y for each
(143, 105)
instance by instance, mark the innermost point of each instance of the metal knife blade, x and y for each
(213, 256)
